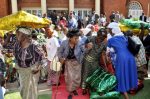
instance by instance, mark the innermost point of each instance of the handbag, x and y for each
(55, 64)
(133, 46)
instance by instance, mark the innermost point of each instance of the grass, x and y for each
(13, 95)
(144, 93)
(16, 95)
(45, 96)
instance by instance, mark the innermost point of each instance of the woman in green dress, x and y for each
(95, 46)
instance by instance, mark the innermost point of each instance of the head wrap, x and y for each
(117, 31)
(112, 25)
(25, 30)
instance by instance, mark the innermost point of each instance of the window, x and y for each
(58, 11)
(83, 12)
(34, 11)
(135, 9)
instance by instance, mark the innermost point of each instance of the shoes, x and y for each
(50, 84)
(75, 93)
(56, 84)
(134, 91)
(70, 97)
(42, 81)
(84, 92)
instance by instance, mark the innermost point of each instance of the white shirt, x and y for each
(102, 20)
(61, 35)
(143, 18)
(93, 17)
(108, 36)
(52, 45)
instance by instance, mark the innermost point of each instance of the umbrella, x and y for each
(22, 18)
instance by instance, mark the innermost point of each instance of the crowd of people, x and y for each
(75, 48)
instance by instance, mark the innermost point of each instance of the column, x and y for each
(43, 7)
(97, 7)
(71, 5)
(14, 6)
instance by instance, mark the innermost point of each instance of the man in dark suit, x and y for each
(146, 43)
(143, 17)
(112, 16)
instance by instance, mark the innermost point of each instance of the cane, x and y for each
(58, 74)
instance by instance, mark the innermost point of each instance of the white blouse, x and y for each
(52, 45)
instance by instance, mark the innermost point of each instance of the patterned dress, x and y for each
(91, 60)
(140, 59)
(27, 59)
(72, 71)
(73, 59)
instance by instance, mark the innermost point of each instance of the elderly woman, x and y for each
(28, 59)
(94, 48)
(71, 53)
(125, 65)
(2, 69)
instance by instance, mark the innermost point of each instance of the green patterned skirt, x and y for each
(102, 85)
(89, 66)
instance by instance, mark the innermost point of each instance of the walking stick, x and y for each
(58, 74)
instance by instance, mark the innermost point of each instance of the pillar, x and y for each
(97, 7)
(43, 7)
(71, 5)
(14, 6)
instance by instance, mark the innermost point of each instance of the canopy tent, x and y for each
(22, 18)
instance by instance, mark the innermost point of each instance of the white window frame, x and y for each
(135, 13)
(82, 10)
(32, 9)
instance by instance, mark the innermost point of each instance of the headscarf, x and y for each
(117, 31)
(112, 25)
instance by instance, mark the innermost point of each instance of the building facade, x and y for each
(39, 7)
